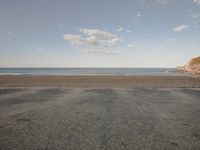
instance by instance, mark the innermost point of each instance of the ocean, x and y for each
(92, 71)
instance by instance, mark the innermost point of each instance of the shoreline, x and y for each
(100, 81)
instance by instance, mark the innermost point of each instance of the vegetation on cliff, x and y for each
(195, 61)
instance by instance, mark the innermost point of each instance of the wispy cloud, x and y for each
(130, 46)
(120, 29)
(137, 17)
(138, 14)
(39, 49)
(163, 2)
(169, 40)
(180, 28)
(194, 15)
(9, 33)
(196, 2)
(96, 41)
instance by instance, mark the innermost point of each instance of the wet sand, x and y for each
(99, 81)
(99, 113)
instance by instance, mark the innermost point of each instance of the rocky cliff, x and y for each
(193, 66)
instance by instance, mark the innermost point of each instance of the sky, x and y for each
(99, 33)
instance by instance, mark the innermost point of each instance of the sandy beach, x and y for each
(100, 75)
(96, 113)
(100, 81)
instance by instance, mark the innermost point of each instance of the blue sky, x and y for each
(98, 33)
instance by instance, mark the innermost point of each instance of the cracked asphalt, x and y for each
(39, 118)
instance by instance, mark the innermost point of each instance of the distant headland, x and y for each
(192, 67)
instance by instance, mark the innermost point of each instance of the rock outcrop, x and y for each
(192, 67)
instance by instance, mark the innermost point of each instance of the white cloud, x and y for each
(102, 37)
(120, 29)
(130, 46)
(95, 40)
(180, 28)
(196, 2)
(169, 40)
(128, 31)
(76, 39)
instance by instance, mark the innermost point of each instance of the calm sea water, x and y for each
(92, 71)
